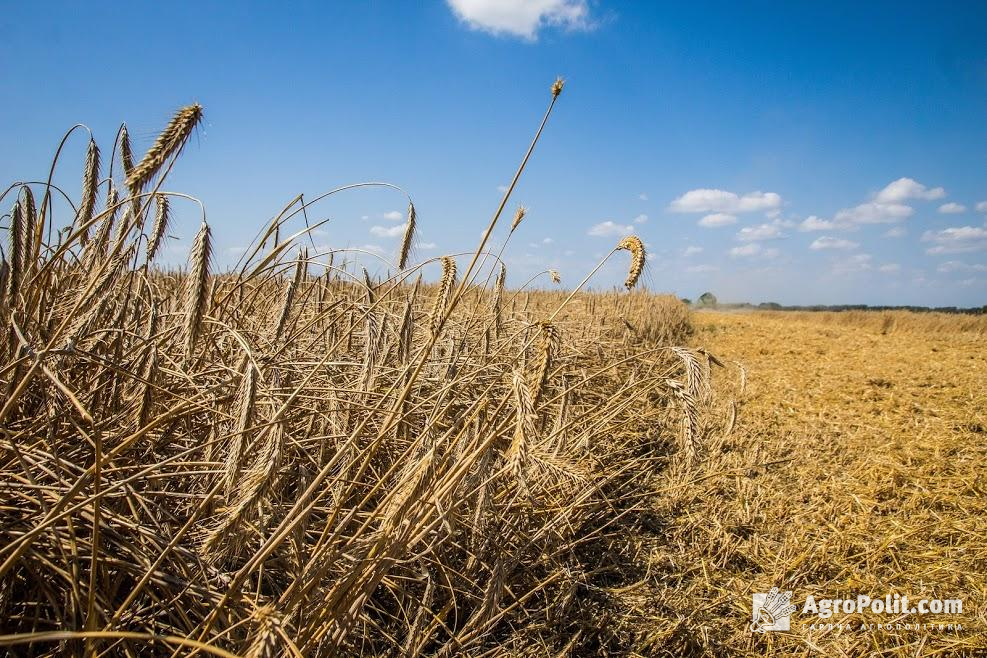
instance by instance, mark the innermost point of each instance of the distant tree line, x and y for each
(710, 302)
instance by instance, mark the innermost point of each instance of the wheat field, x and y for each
(293, 457)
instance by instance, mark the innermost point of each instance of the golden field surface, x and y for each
(857, 468)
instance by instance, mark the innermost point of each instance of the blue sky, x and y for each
(801, 153)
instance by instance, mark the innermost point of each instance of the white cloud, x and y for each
(721, 201)
(761, 232)
(874, 213)
(705, 267)
(393, 216)
(751, 250)
(388, 231)
(952, 208)
(521, 18)
(907, 188)
(813, 223)
(855, 263)
(501, 188)
(547, 241)
(690, 251)
(773, 214)
(644, 197)
(890, 268)
(982, 206)
(896, 232)
(827, 242)
(610, 229)
(374, 249)
(956, 240)
(960, 266)
(717, 219)
(425, 245)
(641, 219)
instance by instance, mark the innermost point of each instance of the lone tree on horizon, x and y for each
(707, 299)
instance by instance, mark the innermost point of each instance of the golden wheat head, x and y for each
(633, 244)
(170, 142)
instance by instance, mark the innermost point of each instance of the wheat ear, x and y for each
(171, 141)
(162, 216)
(266, 643)
(633, 244)
(546, 356)
(518, 216)
(195, 287)
(126, 151)
(524, 429)
(244, 414)
(90, 181)
(18, 239)
(409, 236)
(557, 87)
(498, 298)
(31, 241)
(445, 289)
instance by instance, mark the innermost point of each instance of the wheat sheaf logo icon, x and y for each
(772, 611)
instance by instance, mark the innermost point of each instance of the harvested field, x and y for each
(857, 467)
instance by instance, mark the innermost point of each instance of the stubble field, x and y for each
(872, 427)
